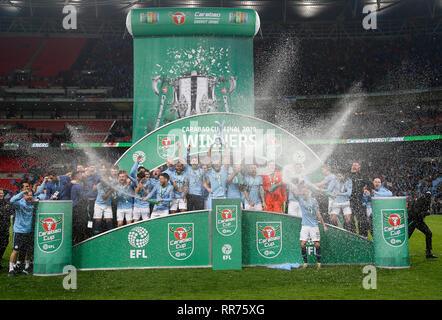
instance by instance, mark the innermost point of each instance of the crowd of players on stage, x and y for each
(110, 197)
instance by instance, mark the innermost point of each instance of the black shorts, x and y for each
(21, 241)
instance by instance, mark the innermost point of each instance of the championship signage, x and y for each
(269, 238)
(181, 240)
(390, 232)
(248, 139)
(52, 237)
(202, 63)
(50, 231)
(226, 219)
(393, 226)
(226, 234)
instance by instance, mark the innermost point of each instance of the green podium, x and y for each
(390, 232)
(53, 237)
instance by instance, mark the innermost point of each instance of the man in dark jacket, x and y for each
(417, 211)
(6, 211)
(359, 211)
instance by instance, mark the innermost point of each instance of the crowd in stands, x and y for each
(317, 67)
(324, 66)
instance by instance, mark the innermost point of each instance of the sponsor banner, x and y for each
(390, 232)
(226, 234)
(269, 238)
(273, 238)
(52, 237)
(179, 240)
(192, 21)
(187, 240)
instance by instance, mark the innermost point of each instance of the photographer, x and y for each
(417, 211)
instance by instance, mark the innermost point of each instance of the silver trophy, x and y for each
(219, 135)
(192, 94)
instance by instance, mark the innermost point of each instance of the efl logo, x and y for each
(178, 17)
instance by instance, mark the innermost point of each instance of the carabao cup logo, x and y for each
(138, 237)
(166, 147)
(226, 219)
(269, 238)
(178, 17)
(180, 240)
(393, 227)
(50, 231)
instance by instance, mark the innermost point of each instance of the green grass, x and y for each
(422, 281)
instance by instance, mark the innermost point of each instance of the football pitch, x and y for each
(423, 280)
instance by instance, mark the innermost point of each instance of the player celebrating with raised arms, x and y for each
(341, 189)
(162, 193)
(309, 223)
(194, 176)
(102, 207)
(254, 192)
(124, 199)
(179, 181)
(216, 180)
(142, 187)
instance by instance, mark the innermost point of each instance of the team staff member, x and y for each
(359, 181)
(6, 211)
(79, 213)
(23, 203)
(377, 191)
(417, 212)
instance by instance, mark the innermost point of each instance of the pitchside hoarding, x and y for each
(195, 239)
(226, 234)
(52, 237)
(390, 232)
(191, 61)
